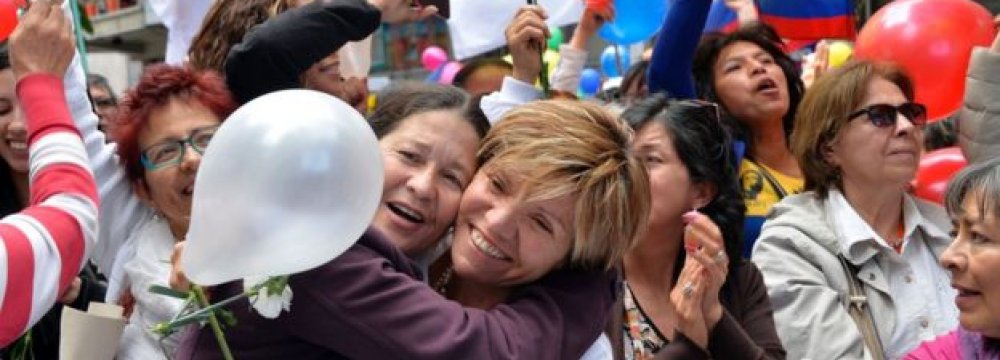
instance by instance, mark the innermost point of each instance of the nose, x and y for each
(952, 258)
(421, 183)
(16, 125)
(501, 222)
(757, 67)
(903, 125)
(190, 160)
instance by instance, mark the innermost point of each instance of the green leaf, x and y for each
(228, 318)
(163, 290)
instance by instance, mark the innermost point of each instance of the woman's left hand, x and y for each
(703, 243)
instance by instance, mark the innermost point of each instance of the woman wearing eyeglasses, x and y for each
(164, 125)
(851, 264)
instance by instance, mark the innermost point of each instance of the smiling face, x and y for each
(502, 239)
(973, 259)
(872, 156)
(168, 189)
(750, 84)
(13, 134)
(429, 159)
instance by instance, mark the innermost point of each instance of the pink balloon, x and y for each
(433, 57)
(448, 72)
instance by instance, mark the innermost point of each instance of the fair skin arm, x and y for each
(525, 34)
(746, 10)
(589, 23)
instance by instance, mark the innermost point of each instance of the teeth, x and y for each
(485, 247)
(413, 215)
(17, 145)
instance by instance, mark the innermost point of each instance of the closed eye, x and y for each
(543, 224)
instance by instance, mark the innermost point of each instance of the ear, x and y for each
(828, 154)
(704, 193)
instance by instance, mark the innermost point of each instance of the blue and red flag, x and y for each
(793, 19)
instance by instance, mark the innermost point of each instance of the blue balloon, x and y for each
(635, 21)
(590, 81)
(610, 61)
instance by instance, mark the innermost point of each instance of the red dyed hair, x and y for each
(160, 84)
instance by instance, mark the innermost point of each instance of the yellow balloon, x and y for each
(840, 51)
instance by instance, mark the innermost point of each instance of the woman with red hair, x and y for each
(163, 126)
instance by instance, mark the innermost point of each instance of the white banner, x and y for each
(182, 18)
(477, 26)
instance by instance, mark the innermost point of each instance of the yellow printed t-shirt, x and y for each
(759, 195)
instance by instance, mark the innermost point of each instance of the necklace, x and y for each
(441, 285)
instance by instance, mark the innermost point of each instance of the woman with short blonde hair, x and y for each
(851, 264)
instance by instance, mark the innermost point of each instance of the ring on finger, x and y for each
(688, 289)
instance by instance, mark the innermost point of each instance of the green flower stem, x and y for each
(214, 323)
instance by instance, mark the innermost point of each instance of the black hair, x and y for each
(704, 145)
(762, 35)
(462, 76)
(9, 199)
(402, 100)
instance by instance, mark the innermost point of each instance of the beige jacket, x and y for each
(797, 254)
(979, 120)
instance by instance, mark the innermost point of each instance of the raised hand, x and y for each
(42, 42)
(746, 10)
(526, 36)
(686, 298)
(704, 244)
(591, 20)
(399, 11)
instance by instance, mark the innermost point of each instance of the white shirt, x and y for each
(919, 286)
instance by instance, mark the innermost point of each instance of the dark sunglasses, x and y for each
(884, 115)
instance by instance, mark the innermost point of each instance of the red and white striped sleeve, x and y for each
(45, 245)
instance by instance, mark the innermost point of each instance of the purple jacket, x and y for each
(370, 304)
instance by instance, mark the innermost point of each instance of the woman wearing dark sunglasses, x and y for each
(851, 264)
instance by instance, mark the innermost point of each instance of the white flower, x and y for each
(269, 301)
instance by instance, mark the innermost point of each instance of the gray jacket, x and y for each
(797, 254)
(979, 120)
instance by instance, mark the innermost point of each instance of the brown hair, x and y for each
(823, 113)
(224, 26)
(566, 147)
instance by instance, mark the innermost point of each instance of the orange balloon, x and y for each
(932, 41)
(8, 18)
(935, 170)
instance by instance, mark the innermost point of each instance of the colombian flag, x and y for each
(794, 19)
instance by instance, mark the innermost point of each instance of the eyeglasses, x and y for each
(171, 152)
(104, 102)
(884, 115)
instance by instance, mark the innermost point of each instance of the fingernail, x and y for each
(690, 216)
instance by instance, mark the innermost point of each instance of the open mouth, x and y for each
(406, 212)
(766, 85)
(480, 242)
(188, 190)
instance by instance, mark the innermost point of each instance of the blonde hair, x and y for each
(564, 147)
(823, 113)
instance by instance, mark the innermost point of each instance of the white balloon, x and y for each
(289, 182)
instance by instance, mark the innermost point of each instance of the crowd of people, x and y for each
(714, 205)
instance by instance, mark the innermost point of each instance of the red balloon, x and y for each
(932, 40)
(8, 18)
(936, 169)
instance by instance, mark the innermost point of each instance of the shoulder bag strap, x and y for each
(770, 180)
(857, 307)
